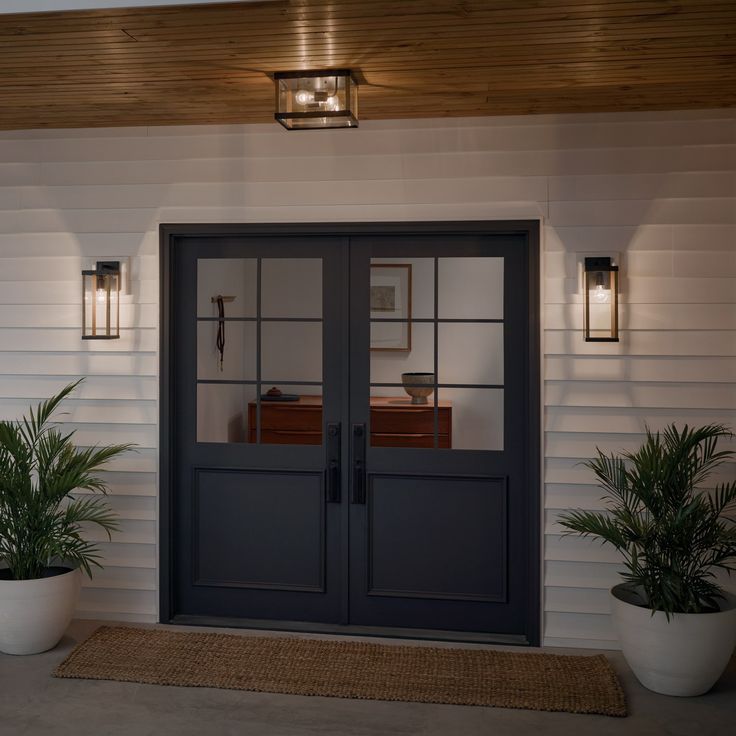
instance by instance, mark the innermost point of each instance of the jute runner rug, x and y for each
(349, 669)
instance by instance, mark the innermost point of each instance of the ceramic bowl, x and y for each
(418, 391)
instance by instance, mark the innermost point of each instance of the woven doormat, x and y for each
(349, 669)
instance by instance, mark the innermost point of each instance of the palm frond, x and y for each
(40, 468)
(597, 525)
(670, 534)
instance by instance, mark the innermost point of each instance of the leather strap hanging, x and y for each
(221, 328)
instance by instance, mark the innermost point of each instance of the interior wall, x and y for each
(657, 188)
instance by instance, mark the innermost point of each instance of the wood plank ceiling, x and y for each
(416, 58)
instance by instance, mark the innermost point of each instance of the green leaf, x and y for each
(40, 468)
(671, 533)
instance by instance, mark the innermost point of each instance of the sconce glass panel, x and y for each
(101, 302)
(316, 99)
(600, 300)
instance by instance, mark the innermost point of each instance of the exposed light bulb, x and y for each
(101, 294)
(303, 97)
(333, 103)
(601, 294)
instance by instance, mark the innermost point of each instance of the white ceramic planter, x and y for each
(34, 614)
(683, 656)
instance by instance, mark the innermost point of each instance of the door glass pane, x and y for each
(387, 366)
(293, 418)
(397, 421)
(476, 417)
(470, 288)
(291, 351)
(392, 337)
(222, 412)
(471, 352)
(402, 288)
(238, 361)
(230, 277)
(291, 287)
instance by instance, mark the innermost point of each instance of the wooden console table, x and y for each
(395, 422)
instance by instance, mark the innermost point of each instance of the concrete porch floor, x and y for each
(32, 702)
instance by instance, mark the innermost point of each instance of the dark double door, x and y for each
(350, 427)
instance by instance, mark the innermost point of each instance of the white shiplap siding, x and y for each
(657, 188)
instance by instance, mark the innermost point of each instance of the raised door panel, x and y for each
(259, 530)
(438, 538)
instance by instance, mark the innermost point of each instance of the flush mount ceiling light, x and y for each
(326, 98)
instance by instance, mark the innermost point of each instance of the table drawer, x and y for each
(408, 440)
(288, 417)
(409, 420)
(286, 437)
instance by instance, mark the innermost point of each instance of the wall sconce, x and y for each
(600, 299)
(101, 301)
(316, 99)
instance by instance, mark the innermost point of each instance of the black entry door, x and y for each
(441, 532)
(350, 427)
(256, 518)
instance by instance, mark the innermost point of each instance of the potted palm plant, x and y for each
(42, 549)
(676, 624)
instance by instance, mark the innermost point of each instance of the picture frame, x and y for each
(390, 307)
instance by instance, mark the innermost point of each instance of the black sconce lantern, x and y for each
(316, 99)
(101, 301)
(600, 299)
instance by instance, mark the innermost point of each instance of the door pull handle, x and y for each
(359, 439)
(334, 470)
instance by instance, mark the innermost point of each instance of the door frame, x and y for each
(168, 237)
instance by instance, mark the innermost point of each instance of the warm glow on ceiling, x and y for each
(214, 63)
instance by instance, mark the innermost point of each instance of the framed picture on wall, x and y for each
(390, 306)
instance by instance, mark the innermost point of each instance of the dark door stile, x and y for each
(349, 597)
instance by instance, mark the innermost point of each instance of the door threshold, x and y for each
(389, 632)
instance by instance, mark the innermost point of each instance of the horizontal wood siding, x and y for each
(657, 188)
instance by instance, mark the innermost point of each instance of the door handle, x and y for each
(334, 470)
(358, 463)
